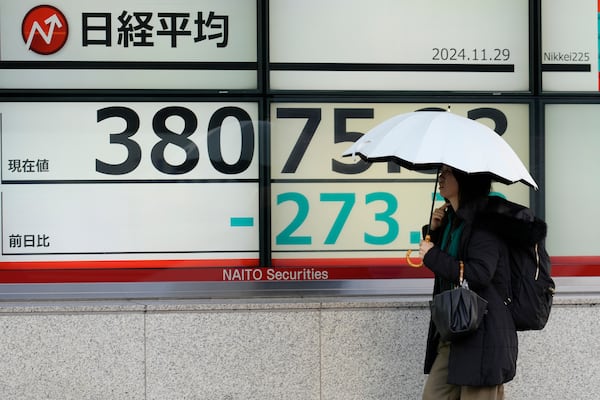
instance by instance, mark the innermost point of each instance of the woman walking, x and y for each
(475, 367)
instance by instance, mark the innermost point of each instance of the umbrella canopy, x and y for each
(424, 140)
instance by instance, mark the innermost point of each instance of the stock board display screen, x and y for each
(128, 44)
(175, 186)
(129, 185)
(333, 210)
(570, 41)
(386, 45)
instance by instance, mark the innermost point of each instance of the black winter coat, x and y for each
(489, 356)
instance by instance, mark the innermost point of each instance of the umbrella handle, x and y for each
(408, 253)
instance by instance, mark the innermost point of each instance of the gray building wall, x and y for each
(292, 348)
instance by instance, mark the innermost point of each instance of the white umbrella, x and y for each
(428, 139)
(424, 140)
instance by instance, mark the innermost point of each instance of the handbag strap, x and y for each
(461, 273)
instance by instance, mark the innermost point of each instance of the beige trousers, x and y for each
(437, 388)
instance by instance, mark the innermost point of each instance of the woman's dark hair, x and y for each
(472, 186)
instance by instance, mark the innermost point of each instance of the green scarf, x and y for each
(450, 244)
(451, 237)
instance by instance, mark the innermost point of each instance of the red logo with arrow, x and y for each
(45, 29)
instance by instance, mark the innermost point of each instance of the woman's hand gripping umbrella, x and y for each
(436, 220)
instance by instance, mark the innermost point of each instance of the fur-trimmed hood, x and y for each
(511, 221)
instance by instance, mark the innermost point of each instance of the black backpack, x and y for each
(531, 281)
(532, 286)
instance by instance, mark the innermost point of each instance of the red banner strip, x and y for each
(243, 271)
(121, 264)
(209, 274)
(576, 266)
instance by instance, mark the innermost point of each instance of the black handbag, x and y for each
(458, 312)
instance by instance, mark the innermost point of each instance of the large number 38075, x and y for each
(179, 139)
